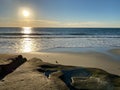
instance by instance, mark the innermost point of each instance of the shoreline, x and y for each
(106, 61)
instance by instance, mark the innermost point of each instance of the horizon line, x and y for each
(51, 27)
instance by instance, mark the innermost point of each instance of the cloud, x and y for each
(92, 24)
(31, 23)
(53, 23)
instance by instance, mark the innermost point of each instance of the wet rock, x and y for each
(41, 70)
(49, 66)
(91, 83)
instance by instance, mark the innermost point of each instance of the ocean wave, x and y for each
(45, 34)
(60, 33)
(60, 36)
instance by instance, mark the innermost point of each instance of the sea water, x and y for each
(28, 39)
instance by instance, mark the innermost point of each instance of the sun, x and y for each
(26, 13)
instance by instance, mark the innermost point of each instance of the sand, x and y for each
(115, 51)
(88, 59)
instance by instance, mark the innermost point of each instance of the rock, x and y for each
(20, 56)
(91, 83)
(0, 69)
(24, 59)
(41, 70)
(5, 69)
(35, 61)
(56, 74)
(49, 66)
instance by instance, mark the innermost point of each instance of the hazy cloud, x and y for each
(53, 23)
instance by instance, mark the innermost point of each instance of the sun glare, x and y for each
(26, 13)
(27, 45)
(26, 30)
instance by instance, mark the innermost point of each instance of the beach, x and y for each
(42, 70)
(51, 59)
(59, 45)
(84, 59)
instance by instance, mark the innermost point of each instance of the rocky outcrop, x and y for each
(8, 68)
(56, 74)
(79, 78)
(38, 75)
(91, 83)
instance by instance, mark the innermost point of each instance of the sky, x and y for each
(60, 13)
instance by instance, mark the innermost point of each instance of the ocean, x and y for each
(27, 39)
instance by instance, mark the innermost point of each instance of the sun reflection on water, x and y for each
(27, 30)
(27, 44)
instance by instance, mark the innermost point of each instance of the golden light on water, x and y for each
(27, 30)
(27, 44)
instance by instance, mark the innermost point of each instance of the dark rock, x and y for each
(24, 59)
(0, 69)
(48, 72)
(41, 70)
(2, 80)
(49, 66)
(57, 62)
(91, 83)
(20, 56)
(8, 68)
